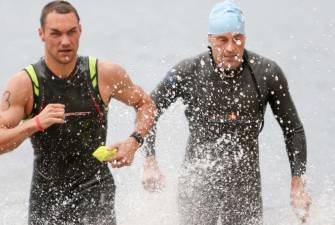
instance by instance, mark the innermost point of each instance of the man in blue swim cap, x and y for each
(226, 23)
(226, 90)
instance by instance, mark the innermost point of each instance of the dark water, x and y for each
(148, 37)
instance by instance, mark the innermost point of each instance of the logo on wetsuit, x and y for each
(229, 117)
(232, 116)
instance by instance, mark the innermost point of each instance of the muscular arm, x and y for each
(288, 119)
(115, 83)
(14, 107)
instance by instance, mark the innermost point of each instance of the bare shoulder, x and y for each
(111, 72)
(19, 86)
(17, 96)
(113, 81)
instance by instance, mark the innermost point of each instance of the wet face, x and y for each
(227, 49)
(61, 33)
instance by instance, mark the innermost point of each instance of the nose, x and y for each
(230, 47)
(65, 40)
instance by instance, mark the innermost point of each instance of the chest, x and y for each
(74, 93)
(215, 95)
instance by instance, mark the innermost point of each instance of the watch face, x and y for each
(138, 137)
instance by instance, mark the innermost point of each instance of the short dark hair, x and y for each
(62, 7)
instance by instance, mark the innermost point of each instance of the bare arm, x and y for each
(115, 83)
(16, 104)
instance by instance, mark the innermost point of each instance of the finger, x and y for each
(117, 158)
(58, 111)
(56, 105)
(57, 115)
(148, 186)
(125, 162)
(122, 163)
(116, 145)
(294, 201)
(303, 220)
(128, 160)
(152, 185)
(307, 206)
(57, 121)
(119, 163)
(118, 155)
(115, 163)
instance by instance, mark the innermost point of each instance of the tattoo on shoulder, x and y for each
(5, 102)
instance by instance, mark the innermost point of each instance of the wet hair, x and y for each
(62, 7)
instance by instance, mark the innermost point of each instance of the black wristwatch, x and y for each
(138, 137)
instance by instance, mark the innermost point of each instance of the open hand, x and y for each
(153, 179)
(300, 200)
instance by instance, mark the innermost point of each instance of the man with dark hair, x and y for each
(64, 100)
(61, 7)
(226, 90)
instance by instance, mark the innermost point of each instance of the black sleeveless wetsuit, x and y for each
(69, 185)
(221, 175)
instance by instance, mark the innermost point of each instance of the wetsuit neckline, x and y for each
(226, 73)
(56, 78)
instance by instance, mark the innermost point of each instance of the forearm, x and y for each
(145, 117)
(150, 140)
(10, 138)
(166, 93)
(297, 151)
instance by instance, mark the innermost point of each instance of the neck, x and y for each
(60, 70)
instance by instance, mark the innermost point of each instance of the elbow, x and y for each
(5, 148)
(290, 132)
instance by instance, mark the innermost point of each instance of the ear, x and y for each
(41, 33)
(80, 28)
(209, 39)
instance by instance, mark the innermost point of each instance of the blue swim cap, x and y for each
(226, 17)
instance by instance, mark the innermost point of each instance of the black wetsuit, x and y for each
(69, 186)
(225, 111)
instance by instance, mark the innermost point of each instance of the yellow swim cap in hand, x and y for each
(103, 153)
